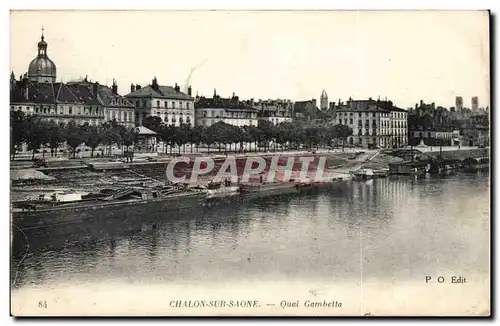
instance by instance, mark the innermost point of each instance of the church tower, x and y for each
(324, 101)
(42, 69)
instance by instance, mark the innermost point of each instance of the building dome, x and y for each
(42, 69)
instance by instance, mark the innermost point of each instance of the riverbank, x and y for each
(80, 177)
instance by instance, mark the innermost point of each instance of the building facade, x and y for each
(274, 111)
(168, 103)
(229, 110)
(374, 123)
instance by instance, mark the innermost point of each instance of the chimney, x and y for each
(189, 90)
(421, 102)
(137, 87)
(154, 84)
(177, 88)
(114, 88)
(94, 88)
(433, 105)
(215, 93)
(132, 88)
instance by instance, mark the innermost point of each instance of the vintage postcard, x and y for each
(250, 163)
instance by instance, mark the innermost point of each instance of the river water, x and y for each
(369, 245)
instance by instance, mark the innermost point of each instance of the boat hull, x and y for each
(81, 212)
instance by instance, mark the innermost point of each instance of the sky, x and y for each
(404, 56)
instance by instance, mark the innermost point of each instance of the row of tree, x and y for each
(285, 135)
(37, 134)
(41, 134)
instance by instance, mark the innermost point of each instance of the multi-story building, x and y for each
(37, 92)
(229, 110)
(306, 110)
(374, 123)
(274, 111)
(116, 107)
(169, 103)
(56, 101)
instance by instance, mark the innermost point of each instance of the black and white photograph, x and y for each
(249, 163)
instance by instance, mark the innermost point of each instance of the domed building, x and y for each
(42, 69)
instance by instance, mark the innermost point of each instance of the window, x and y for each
(373, 114)
(340, 121)
(180, 104)
(360, 132)
(79, 110)
(166, 119)
(350, 121)
(113, 115)
(70, 110)
(188, 105)
(173, 105)
(366, 114)
(166, 105)
(12, 107)
(360, 140)
(359, 113)
(44, 110)
(345, 121)
(157, 104)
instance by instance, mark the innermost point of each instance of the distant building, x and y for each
(306, 110)
(37, 92)
(229, 110)
(474, 103)
(169, 103)
(459, 103)
(324, 101)
(375, 123)
(275, 111)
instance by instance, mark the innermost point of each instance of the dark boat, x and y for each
(476, 164)
(64, 208)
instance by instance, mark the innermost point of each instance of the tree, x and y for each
(267, 129)
(18, 131)
(197, 136)
(92, 137)
(153, 123)
(74, 136)
(55, 137)
(343, 131)
(167, 134)
(36, 134)
(128, 138)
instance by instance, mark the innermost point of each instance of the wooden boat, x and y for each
(70, 207)
(268, 187)
(362, 174)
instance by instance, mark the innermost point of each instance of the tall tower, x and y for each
(475, 104)
(459, 103)
(324, 101)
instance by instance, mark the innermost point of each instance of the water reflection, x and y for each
(398, 227)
